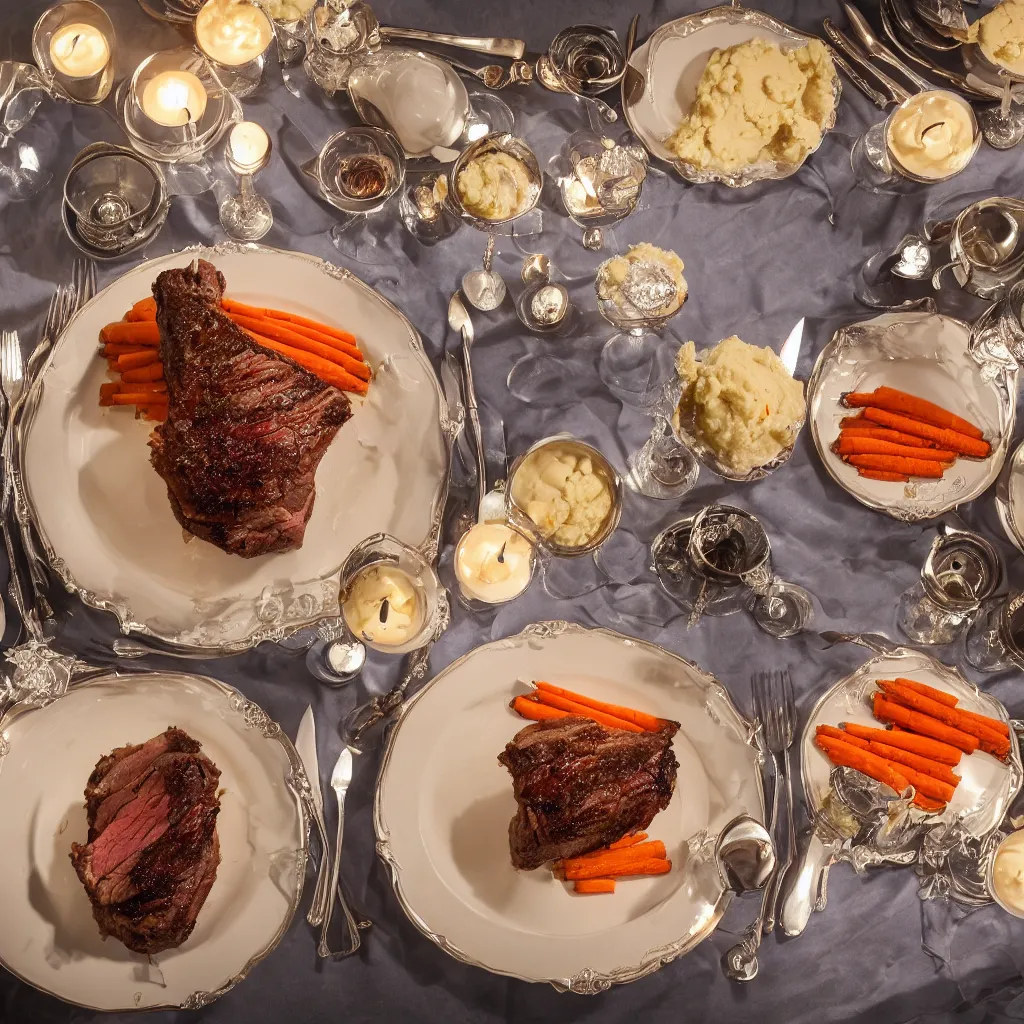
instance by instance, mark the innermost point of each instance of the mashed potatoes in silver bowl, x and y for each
(739, 410)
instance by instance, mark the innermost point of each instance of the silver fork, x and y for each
(740, 962)
(786, 704)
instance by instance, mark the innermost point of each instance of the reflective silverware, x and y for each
(499, 46)
(894, 92)
(340, 779)
(745, 855)
(879, 50)
(459, 320)
(496, 76)
(879, 99)
(740, 962)
(305, 744)
(783, 693)
(914, 28)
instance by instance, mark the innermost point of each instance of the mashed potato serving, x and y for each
(740, 401)
(495, 186)
(1000, 34)
(757, 104)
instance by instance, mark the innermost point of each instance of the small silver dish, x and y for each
(990, 870)
(521, 521)
(496, 142)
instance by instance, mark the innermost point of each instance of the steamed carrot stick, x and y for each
(570, 706)
(143, 333)
(144, 309)
(881, 474)
(937, 750)
(949, 439)
(268, 329)
(847, 445)
(897, 464)
(928, 691)
(923, 725)
(842, 735)
(653, 850)
(157, 389)
(916, 408)
(857, 425)
(137, 398)
(155, 371)
(871, 765)
(920, 764)
(594, 885)
(277, 314)
(629, 867)
(991, 741)
(649, 723)
(157, 413)
(135, 360)
(329, 372)
(989, 723)
(926, 784)
(927, 804)
(113, 351)
(331, 340)
(537, 712)
(107, 392)
(627, 841)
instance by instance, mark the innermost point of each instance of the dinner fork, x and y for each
(740, 962)
(786, 704)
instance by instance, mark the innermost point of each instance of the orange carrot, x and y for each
(154, 412)
(881, 474)
(927, 804)
(570, 706)
(157, 389)
(594, 885)
(143, 310)
(842, 735)
(277, 314)
(329, 372)
(857, 426)
(991, 741)
(929, 691)
(135, 360)
(916, 408)
(649, 723)
(113, 351)
(864, 761)
(107, 392)
(897, 464)
(653, 850)
(627, 841)
(136, 398)
(268, 329)
(947, 438)
(923, 725)
(847, 445)
(537, 712)
(127, 333)
(926, 784)
(925, 765)
(989, 723)
(155, 371)
(627, 867)
(944, 753)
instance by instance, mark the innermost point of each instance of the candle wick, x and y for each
(501, 554)
(938, 124)
(384, 605)
(74, 43)
(188, 115)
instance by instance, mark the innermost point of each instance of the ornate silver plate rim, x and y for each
(687, 25)
(83, 676)
(119, 607)
(587, 981)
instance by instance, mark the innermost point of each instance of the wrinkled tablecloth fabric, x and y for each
(757, 260)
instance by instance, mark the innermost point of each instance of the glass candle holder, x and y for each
(390, 595)
(494, 563)
(995, 639)
(73, 45)
(246, 216)
(234, 36)
(337, 34)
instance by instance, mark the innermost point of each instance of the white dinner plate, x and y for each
(928, 355)
(48, 936)
(102, 510)
(672, 62)
(987, 785)
(444, 804)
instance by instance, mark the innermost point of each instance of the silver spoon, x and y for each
(880, 51)
(494, 76)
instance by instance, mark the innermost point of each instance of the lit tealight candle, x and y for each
(174, 98)
(79, 50)
(493, 563)
(383, 607)
(248, 144)
(233, 32)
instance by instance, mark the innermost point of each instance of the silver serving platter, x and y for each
(285, 605)
(443, 805)
(52, 942)
(645, 106)
(929, 355)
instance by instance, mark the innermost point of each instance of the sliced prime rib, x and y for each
(246, 427)
(580, 786)
(152, 850)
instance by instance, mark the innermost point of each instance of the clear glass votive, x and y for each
(73, 45)
(234, 36)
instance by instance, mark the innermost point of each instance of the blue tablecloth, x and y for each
(757, 260)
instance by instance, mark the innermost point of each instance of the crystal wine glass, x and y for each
(28, 145)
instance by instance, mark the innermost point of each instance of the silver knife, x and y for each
(874, 46)
(305, 744)
(839, 39)
(340, 779)
(879, 99)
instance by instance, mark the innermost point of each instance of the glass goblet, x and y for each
(994, 640)
(28, 145)
(247, 216)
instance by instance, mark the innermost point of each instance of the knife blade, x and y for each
(305, 745)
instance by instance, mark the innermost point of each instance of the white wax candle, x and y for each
(383, 607)
(174, 98)
(79, 50)
(493, 563)
(247, 145)
(232, 32)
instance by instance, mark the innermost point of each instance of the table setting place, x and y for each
(449, 548)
